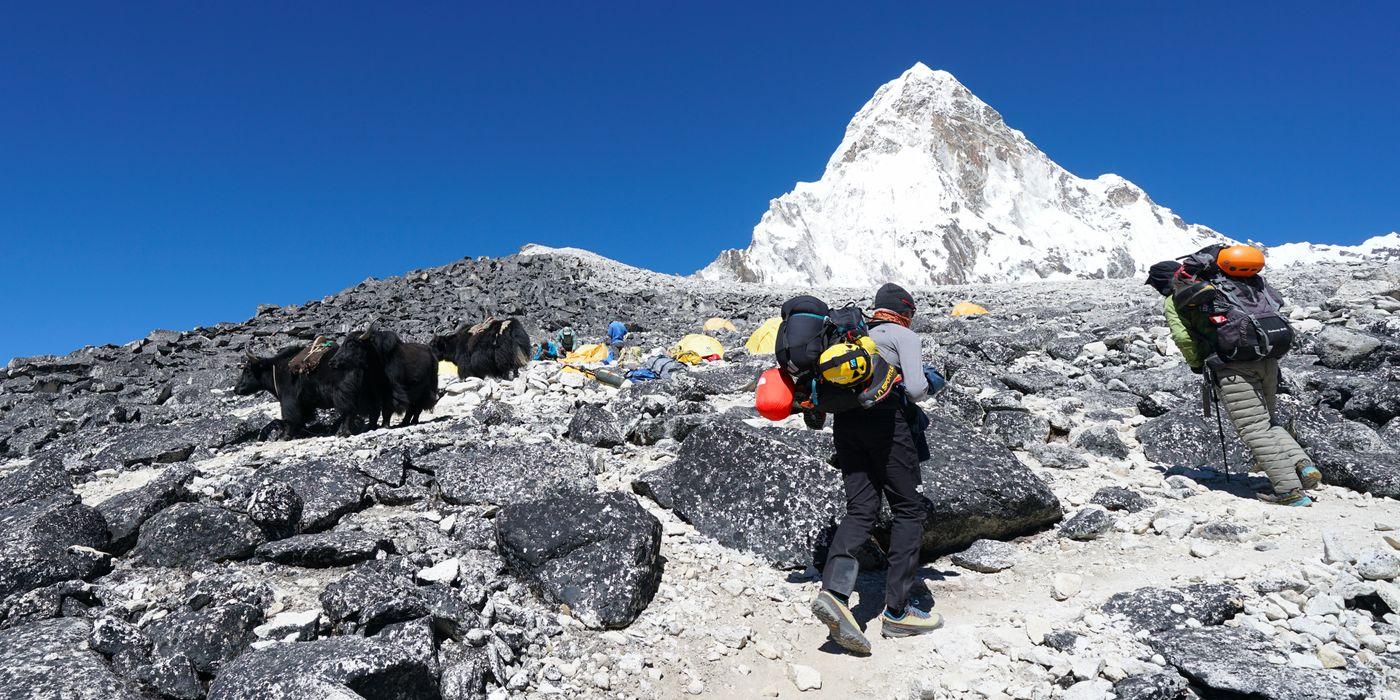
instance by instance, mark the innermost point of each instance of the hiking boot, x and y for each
(1296, 497)
(840, 623)
(913, 622)
(1309, 475)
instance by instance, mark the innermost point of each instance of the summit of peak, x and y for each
(939, 189)
(919, 68)
(921, 72)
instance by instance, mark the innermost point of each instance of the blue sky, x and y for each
(175, 164)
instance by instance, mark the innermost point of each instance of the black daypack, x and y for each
(1244, 311)
(1248, 325)
(809, 327)
(801, 336)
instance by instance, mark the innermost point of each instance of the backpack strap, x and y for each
(836, 361)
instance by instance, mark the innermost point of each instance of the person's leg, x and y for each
(1242, 395)
(1308, 474)
(862, 505)
(901, 489)
(832, 605)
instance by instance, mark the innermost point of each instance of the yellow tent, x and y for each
(587, 354)
(694, 347)
(447, 369)
(720, 324)
(762, 340)
(967, 308)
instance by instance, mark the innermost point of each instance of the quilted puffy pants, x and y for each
(1248, 391)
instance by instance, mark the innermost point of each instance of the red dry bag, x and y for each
(773, 396)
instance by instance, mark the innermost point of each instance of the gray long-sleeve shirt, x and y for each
(901, 348)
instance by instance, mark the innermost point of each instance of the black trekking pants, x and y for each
(876, 453)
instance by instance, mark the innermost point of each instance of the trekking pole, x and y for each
(1220, 426)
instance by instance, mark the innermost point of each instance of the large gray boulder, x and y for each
(1184, 438)
(1348, 454)
(125, 512)
(1376, 406)
(208, 637)
(329, 489)
(1343, 348)
(509, 473)
(50, 659)
(771, 491)
(153, 444)
(1154, 609)
(338, 667)
(764, 491)
(38, 546)
(374, 594)
(188, 534)
(1234, 662)
(731, 378)
(598, 553)
(322, 549)
(38, 479)
(1167, 685)
(1017, 429)
(976, 489)
(595, 425)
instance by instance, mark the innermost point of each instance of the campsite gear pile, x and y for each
(696, 348)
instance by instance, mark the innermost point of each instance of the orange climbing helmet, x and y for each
(1240, 261)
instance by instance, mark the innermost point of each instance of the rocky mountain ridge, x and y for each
(551, 535)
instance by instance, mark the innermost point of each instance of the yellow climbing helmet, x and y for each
(848, 363)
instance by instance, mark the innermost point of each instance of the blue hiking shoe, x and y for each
(1295, 497)
(913, 622)
(1309, 475)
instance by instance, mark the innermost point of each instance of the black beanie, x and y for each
(893, 297)
(1160, 275)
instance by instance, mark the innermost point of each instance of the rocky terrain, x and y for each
(550, 536)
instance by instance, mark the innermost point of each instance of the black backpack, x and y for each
(809, 326)
(1244, 311)
(802, 336)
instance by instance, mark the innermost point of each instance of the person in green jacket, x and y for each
(1248, 391)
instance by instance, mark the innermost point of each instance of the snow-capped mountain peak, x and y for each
(929, 185)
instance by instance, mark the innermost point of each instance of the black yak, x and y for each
(492, 348)
(409, 369)
(337, 382)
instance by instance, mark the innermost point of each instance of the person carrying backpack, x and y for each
(877, 453)
(1224, 317)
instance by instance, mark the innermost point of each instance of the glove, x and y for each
(936, 382)
(1214, 362)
